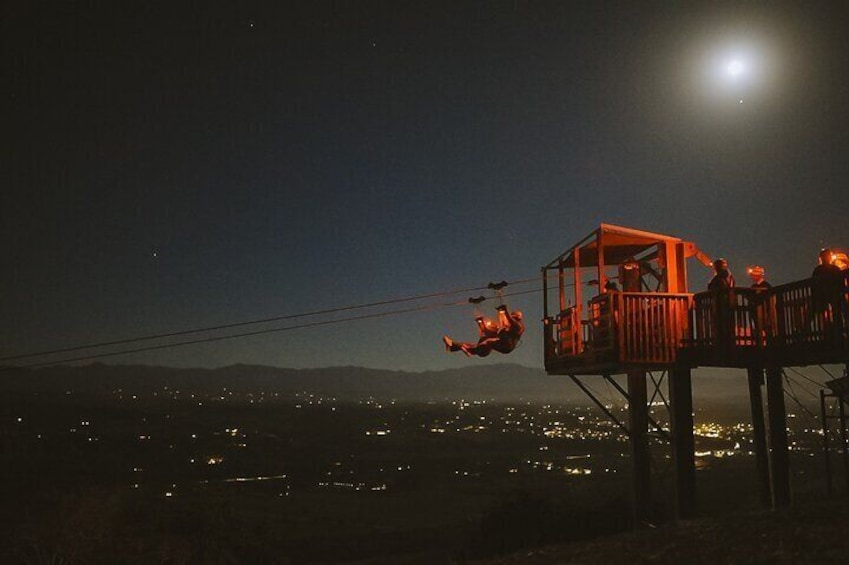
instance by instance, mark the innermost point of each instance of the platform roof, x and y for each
(619, 244)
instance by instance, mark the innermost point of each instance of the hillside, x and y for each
(811, 532)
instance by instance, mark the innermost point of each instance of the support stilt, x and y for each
(841, 410)
(756, 379)
(683, 444)
(825, 447)
(638, 414)
(778, 452)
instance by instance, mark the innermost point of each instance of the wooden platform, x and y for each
(744, 328)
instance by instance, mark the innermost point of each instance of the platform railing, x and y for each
(801, 315)
(790, 324)
(599, 331)
(651, 326)
(728, 319)
(622, 327)
(566, 329)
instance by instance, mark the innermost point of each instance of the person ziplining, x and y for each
(502, 336)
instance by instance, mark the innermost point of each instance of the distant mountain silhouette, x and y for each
(501, 382)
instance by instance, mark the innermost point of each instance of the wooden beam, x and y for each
(756, 379)
(825, 447)
(638, 415)
(579, 334)
(601, 406)
(681, 261)
(627, 397)
(683, 444)
(779, 456)
(576, 279)
(600, 260)
(561, 281)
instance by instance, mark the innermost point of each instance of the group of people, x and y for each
(826, 285)
(723, 279)
(826, 276)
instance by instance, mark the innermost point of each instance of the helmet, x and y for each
(518, 314)
(826, 256)
(756, 271)
(720, 264)
(840, 259)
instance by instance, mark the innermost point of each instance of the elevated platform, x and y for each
(650, 324)
(624, 331)
(744, 328)
(640, 317)
(779, 327)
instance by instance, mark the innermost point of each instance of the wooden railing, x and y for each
(728, 319)
(623, 327)
(799, 315)
(567, 333)
(789, 324)
(651, 326)
(599, 331)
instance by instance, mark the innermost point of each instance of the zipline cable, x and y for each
(257, 332)
(788, 378)
(792, 394)
(827, 372)
(125, 341)
(806, 377)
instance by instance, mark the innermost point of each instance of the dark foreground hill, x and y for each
(501, 382)
(809, 533)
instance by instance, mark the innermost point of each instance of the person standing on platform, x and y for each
(724, 302)
(756, 273)
(759, 302)
(723, 279)
(828, 296)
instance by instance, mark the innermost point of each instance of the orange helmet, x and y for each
(756, 271)
(840, 259)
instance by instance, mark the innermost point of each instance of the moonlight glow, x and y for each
(735, 68)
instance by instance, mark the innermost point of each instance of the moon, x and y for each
(735, 67)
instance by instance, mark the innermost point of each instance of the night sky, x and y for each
(168, 165)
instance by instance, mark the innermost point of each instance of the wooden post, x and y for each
(638, 415)
(669, 266)
(683, 444)
(602, 279)
(779, 455)
(561, 282)
(825, 446)
(576, 279)
(756, 376)
(681, 268)
(843, 446)
(578, 310)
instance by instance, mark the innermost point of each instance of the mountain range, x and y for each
(499, 382)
